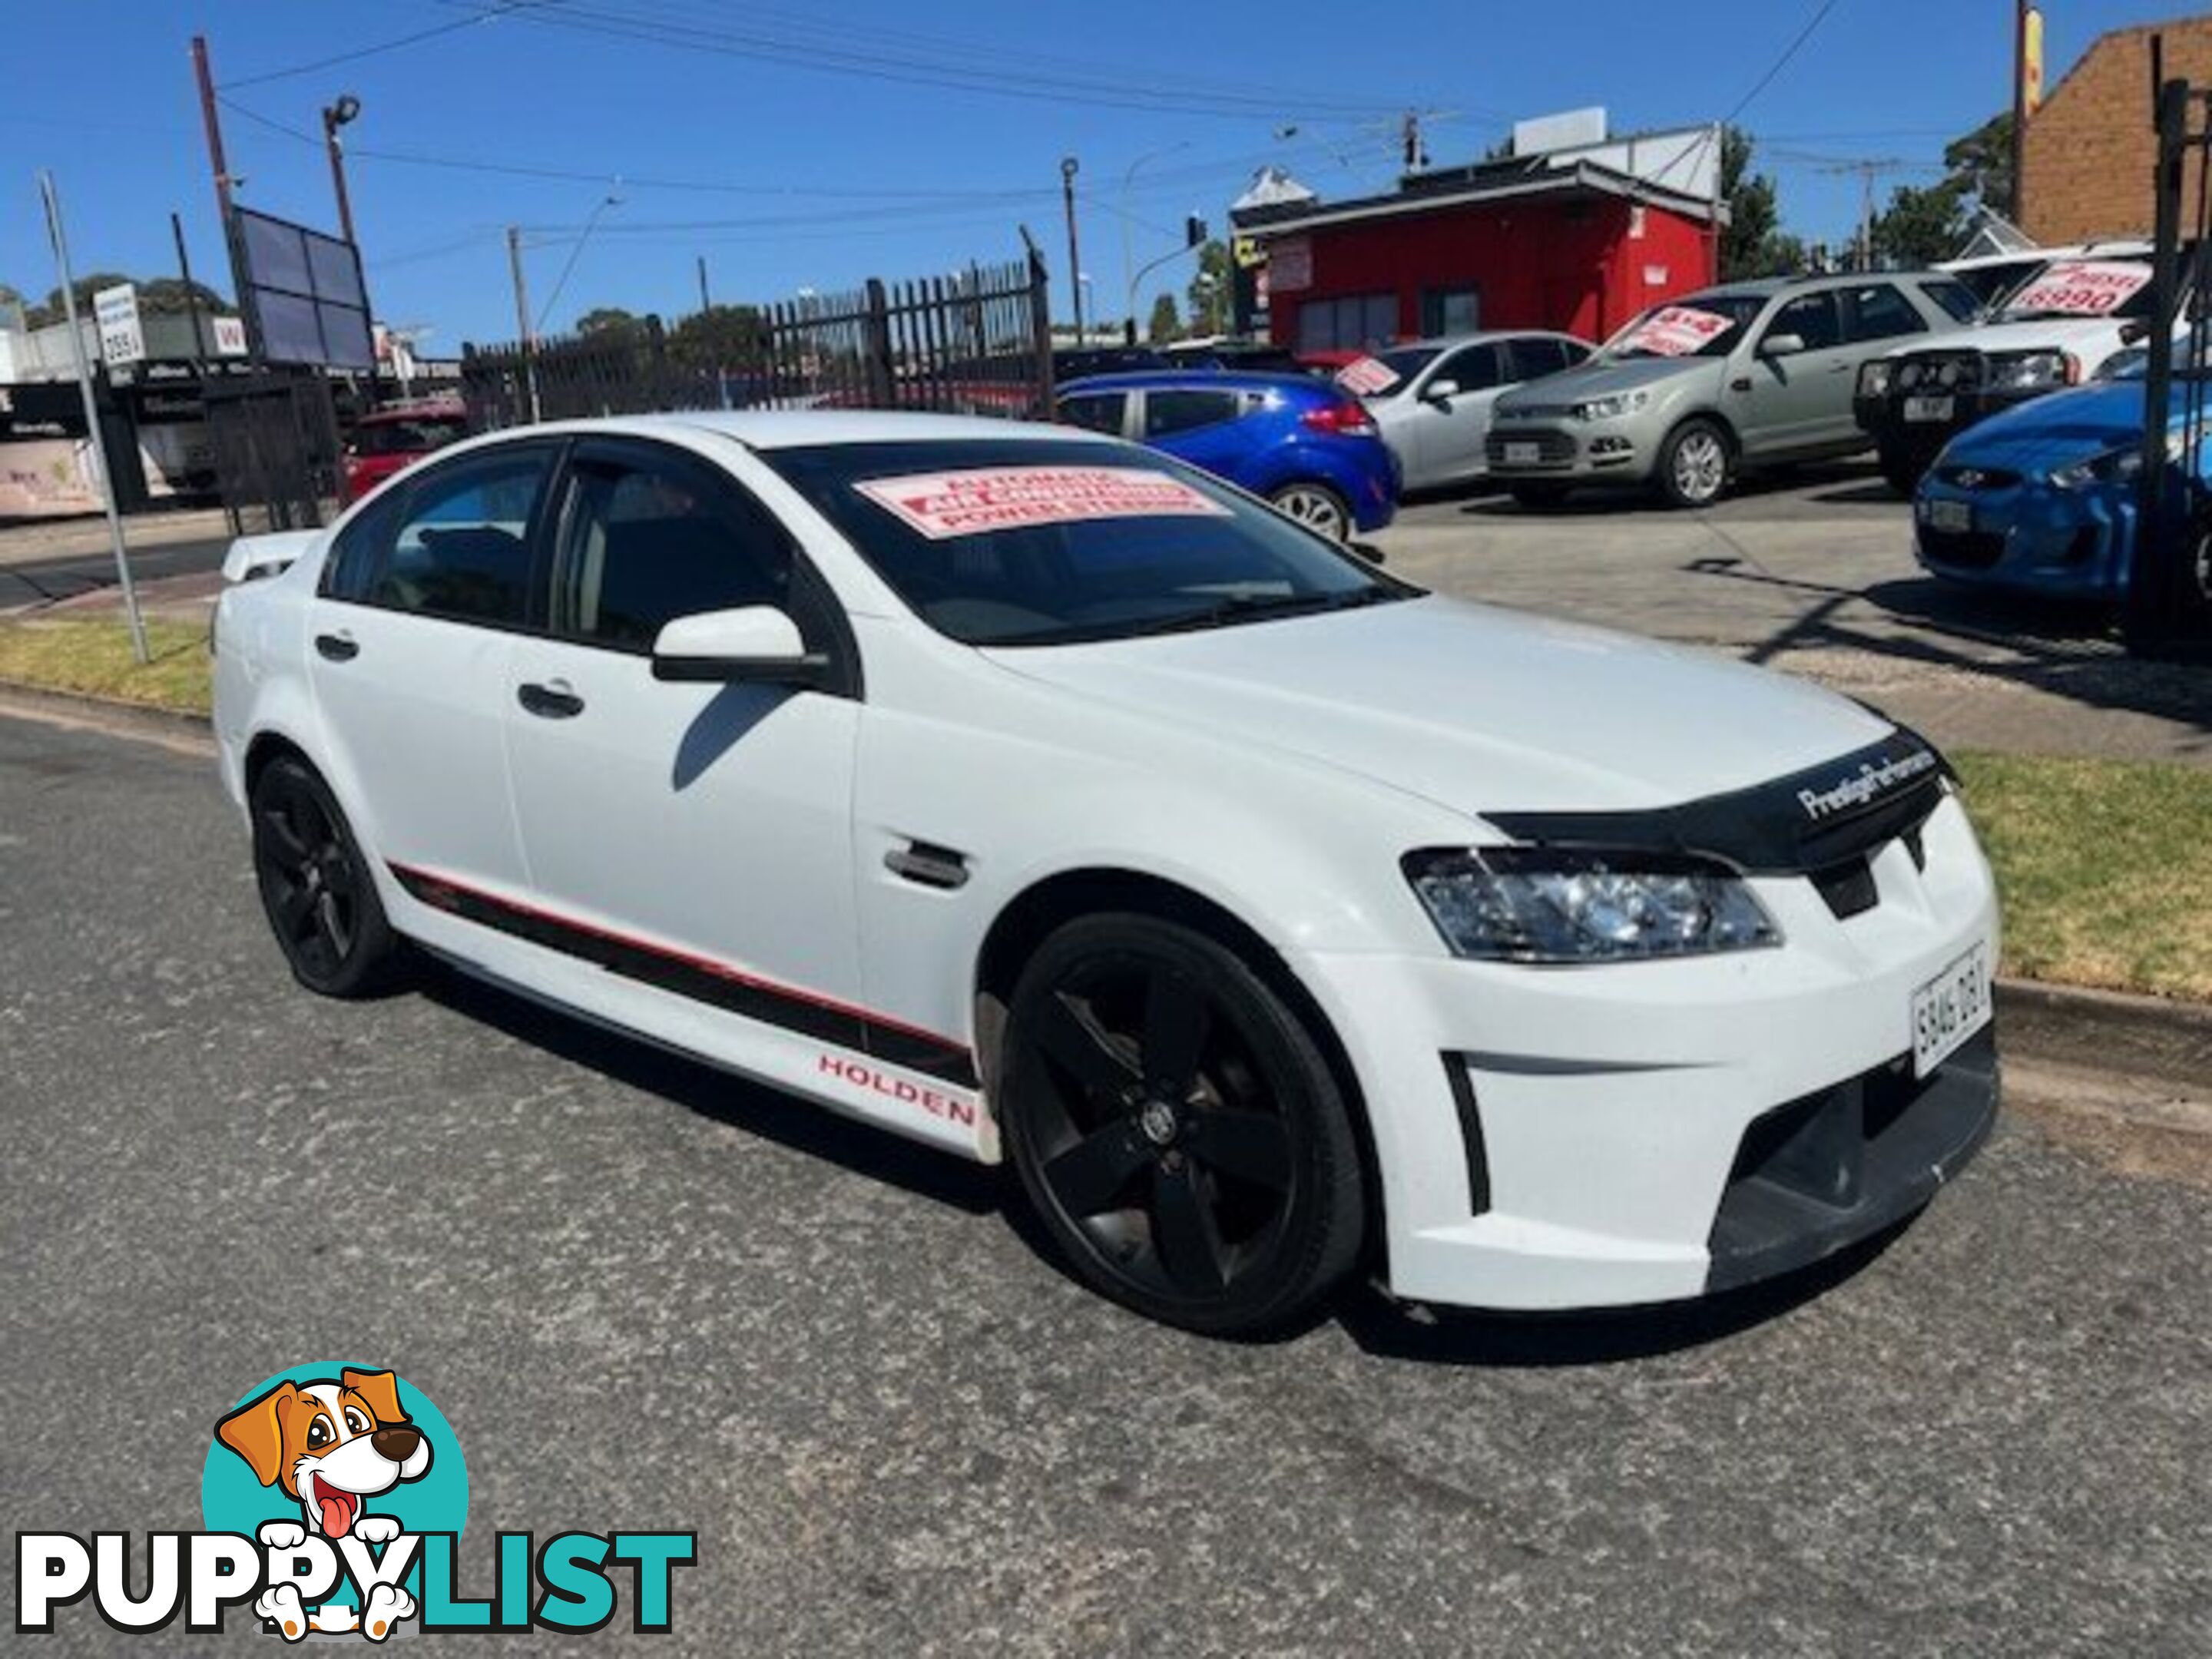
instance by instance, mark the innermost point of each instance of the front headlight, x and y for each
(2033, 371)
(1539, 904)
(1613, 408)
(2114, 467)
(1875, 378)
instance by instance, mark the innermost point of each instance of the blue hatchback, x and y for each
(1304, 444)
(2042, 498)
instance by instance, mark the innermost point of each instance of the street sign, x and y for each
(122, 340)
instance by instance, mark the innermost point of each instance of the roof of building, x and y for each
(1517, 177)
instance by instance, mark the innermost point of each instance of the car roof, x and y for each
(1481, 336)
(798, 428)
(1194, 379)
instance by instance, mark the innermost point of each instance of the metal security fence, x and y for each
(975, 342)
(275, 441)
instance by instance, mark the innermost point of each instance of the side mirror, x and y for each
(1781, 345)
(1440, 392)
(757, 642)
(2136, 332)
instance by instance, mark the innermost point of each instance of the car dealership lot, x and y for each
(1812, 571)
(645, 1294)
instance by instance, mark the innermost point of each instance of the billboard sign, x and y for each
(122, 339)
(229, 336)
(303, 290)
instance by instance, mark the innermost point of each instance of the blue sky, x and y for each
(733, 141)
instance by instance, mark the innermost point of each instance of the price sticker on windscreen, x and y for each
(2081, 288)
(1367, 377)
(944, 505)
(1678, 330)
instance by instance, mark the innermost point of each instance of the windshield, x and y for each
(1703, 325)
(415, 436)
(1405, 364)
(1007, 542)
(2083, 288)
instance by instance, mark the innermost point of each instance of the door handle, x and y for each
(552, 700)
(340, 647)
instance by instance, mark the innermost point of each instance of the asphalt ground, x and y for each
(646, 1295)
(45, 579)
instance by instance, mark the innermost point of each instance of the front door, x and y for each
(699, 836)
(1451, 429)
(1798, 397)
(409, 640)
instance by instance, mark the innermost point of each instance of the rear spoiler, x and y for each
(252, 558)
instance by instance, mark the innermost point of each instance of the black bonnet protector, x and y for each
(1809, 821)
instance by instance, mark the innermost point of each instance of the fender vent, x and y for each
(1848, 888)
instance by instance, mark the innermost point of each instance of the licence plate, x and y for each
(1927, 409)
(1950, 1008)
(1524, 454)
(1951, 515)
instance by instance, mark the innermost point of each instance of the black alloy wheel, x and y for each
(315, 887)
(1177, 1129)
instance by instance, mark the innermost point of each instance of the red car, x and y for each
(390, 441)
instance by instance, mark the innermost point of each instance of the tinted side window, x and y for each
(1533, 359)
(644, 540)
(1811, 318)
(350, 569)
(460, 546)
(1879, 312)
(1099, 411)
(1475, 368)
(1170, 412)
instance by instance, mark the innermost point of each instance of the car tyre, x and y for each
(1177, 1129)
(1540, 497)
(1695, 463)
(1901, 470)
(317, 890)
(1316, 507)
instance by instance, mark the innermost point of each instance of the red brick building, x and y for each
(2089, 153)
(1530, 242)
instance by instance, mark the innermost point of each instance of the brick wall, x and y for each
(2090, 152)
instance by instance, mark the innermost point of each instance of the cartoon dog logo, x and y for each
(330, 1444)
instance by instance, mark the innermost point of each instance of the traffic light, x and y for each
(1194, 231)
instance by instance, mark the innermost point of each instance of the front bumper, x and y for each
(1901, 424)
(1620, 1135)
(2026, 535)
(1566, 452)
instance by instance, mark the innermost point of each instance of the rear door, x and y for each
(1798, 399)
(421, 601)
(1106, 412)
(1202, 425)
(703, 831)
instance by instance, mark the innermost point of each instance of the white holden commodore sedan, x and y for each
(1050, 802)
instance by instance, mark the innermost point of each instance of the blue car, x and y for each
(2043, 498)
(1304, 444)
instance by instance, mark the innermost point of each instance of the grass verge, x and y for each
(2104, 867)
(91, 656)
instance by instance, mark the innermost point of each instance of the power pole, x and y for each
(2020, 8)
(214, 124)
(1069, 166)
(200, 340)
(705, 304)
(96, 445)
(529, 340)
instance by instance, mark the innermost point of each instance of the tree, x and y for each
(721, 336)
(1982, 163)
(1921, 226)
(1210, 288)
(1752, 245)
(1167, 321)
(169, 296)
(52, 310)
(608, 320)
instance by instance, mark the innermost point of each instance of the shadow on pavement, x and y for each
(753, 1108)
(1391, 1330)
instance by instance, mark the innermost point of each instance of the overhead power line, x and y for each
(499, 8)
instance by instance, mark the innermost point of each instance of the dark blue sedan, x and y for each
(1305, 445)
(2043, 498)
